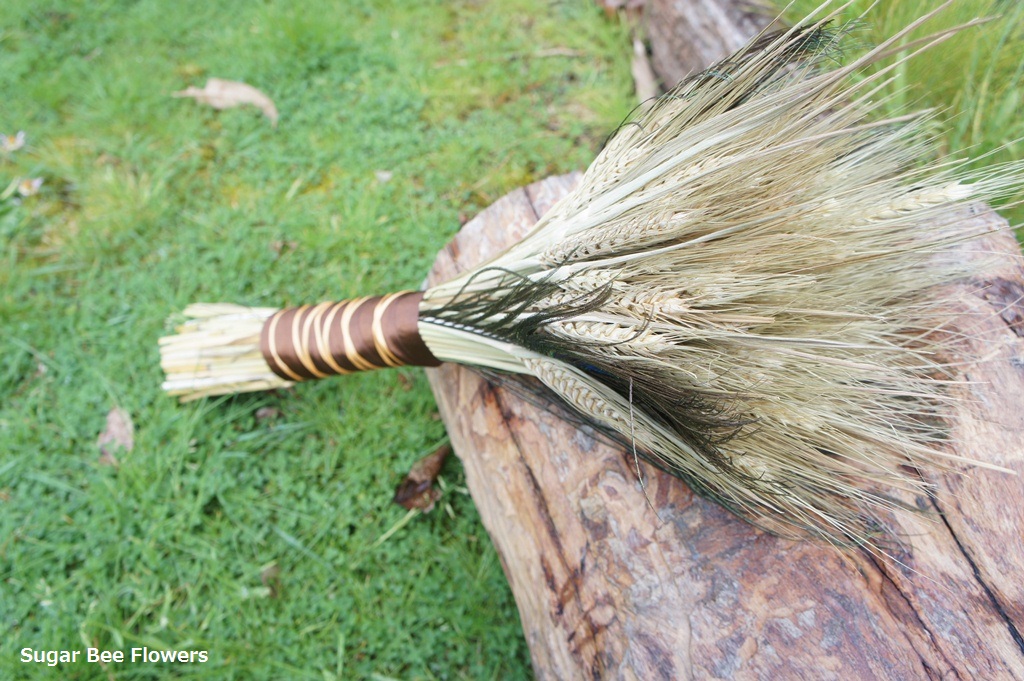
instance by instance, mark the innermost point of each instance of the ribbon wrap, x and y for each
(316, 341)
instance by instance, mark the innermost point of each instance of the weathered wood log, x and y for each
(688, 35)
(609, 587)
(615, 580)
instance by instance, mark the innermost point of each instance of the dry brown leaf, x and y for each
(267, 413)
(119, 434)
(404, 380)
(225, 94)
(270, 575)
(417, 488)
(611, 8)
(280, 247)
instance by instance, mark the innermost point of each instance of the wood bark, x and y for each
(615, 580)
(689, 35)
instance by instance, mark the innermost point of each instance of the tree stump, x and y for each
(616, 581)
(608, 587)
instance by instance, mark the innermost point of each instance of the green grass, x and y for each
(973, 81)
(149, 203)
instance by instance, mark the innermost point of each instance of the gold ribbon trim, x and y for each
(316, 341)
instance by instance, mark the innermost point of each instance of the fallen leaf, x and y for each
(404, 381)
(633, 8)
(279, 247)
(265, 413)
(270, 575)
(417, 488)
(119, 434)
(225, 94)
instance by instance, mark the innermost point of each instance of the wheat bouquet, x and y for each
(743, 288)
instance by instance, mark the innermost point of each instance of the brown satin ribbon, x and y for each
(315, 341)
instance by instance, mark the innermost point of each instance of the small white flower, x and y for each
(30, 186)
(9, 143)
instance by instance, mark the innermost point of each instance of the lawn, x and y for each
(251, 527)
(260, 528)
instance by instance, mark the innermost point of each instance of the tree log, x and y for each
(613, 581)
(617, 580)
(689, 35)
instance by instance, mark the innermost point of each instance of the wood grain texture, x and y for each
(607, 588)
(688, 35)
